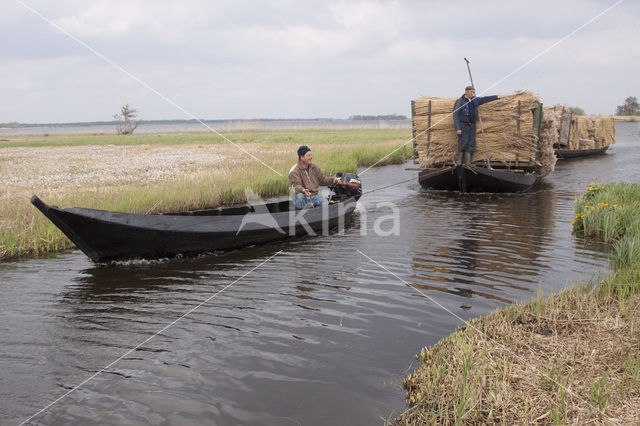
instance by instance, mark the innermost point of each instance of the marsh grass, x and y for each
(309, 137)
(570, 358)
(25, 231)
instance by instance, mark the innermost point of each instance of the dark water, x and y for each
(314, 331)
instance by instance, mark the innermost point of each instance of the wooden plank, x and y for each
(565, 128)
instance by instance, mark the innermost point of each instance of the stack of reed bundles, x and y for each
(591, 131)
(586, 131)
(549, 133)
(557, 111)
(508, 127)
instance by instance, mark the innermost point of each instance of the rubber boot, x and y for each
(460, 158)
(467, 159)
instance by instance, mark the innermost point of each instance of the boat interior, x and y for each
(275, 207)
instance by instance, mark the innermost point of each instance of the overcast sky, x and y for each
(297, 59)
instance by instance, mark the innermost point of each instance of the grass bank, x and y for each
(571, 358)
(162, 172)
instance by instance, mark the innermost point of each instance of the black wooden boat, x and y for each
(477, 179)
(107, 235)
(576, 153)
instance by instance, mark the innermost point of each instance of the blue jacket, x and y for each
(466, 110)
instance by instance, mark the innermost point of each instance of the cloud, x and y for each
(229, 59)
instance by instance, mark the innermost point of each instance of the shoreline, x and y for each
(571, 357)
(627, 118)
(194, 126)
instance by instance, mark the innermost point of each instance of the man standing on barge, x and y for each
(305, 178)
(465, 114)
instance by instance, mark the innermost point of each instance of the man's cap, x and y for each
(469, 88)
(303, 150)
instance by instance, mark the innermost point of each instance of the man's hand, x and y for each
(307, 193)
(458, 132)
(337, 180)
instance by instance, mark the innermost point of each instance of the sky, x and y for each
(82, 60)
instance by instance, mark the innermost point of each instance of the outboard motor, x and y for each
(349, 186)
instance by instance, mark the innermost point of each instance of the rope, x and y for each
(389, 186)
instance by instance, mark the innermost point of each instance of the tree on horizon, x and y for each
(127, 122)
(630, 107)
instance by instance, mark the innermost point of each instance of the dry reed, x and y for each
(508, 125)
(548, 139)
(585, 131)
(566, 359)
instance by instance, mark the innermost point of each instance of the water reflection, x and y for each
(493, 242)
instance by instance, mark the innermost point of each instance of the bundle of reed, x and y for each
(508, 128)
(606, 130)
(557, 111)
(549, 132)
(590, 131)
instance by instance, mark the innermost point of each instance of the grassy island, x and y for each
(165, 172)
(571, 358)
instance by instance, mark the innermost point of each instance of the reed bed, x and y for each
(147, 173)
(508, 129)
(571, 358)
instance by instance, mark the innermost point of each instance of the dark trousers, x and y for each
(467, 140)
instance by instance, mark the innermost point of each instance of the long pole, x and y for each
(484, 139)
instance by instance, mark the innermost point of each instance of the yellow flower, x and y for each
(573, 222)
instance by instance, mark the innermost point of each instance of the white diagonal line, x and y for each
(166, 327)
(468, 324)
(553, 45)
(147, 86)
(417, 289)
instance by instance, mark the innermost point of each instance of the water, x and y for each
(218, 125)
(312, 331)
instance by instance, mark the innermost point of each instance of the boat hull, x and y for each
(577, 153)
(476, 179)
(106, 235)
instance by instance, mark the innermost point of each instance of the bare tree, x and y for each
(127, 122)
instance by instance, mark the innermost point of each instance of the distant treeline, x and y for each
(12, 125)
(378, 117)
(15, 125)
